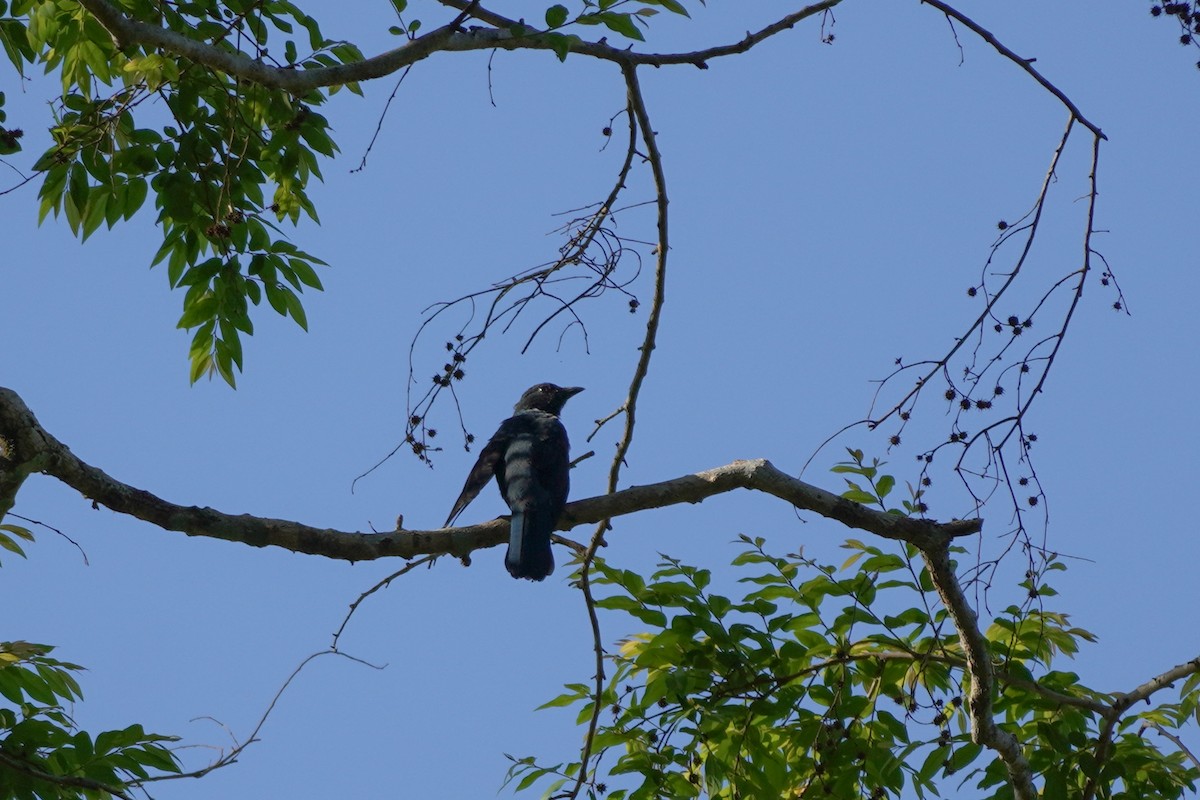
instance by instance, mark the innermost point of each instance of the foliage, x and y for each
(844, 682)
(224, 160)
(43, 753)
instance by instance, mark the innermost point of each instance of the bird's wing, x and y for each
(490, 457)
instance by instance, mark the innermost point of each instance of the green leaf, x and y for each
(7, 542)
(578, 692)
(94, 214)
(562, 43)
(884, 485)
(201, 365)
(201, 310)
(859, 496)
(556, 16)
(275, 297)
(136, 189)
(305, 273)
(622, 24)
(671, 5)
(77, 186)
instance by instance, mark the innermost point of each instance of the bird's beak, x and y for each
(571, 391)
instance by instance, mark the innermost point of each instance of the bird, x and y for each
(530, 457)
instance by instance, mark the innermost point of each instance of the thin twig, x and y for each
(232, 755)
(382, 116)
(1024, 63)
(409, 567)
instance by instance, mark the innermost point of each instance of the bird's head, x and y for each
(546, 397)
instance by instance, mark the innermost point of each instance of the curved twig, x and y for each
(640, 116)
(1024, 63)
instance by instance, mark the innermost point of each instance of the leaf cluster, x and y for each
(224, 160)
(605, 13)
(43, 754)
(846, 682)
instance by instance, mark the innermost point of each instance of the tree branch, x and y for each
(72, 781)
(1121, 703)
(1143, 692)
(984, 730)
(35, 450)
(639, 120)
(1024, 63)
(448, 38)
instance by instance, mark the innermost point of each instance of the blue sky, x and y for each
(830, 205)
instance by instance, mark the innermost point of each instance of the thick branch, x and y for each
(127, 31)
(984, 730)
(35, 450)
(1143, 692)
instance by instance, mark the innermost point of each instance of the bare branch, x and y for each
(1024, 63)
(637, 106)
(1178, 742)
(1158, 682)
(639, 120)
(231, 757)
(37, 450)
(382, 584)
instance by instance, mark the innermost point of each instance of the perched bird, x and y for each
(530, 457)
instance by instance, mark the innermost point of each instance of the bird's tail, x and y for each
(529, 555)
